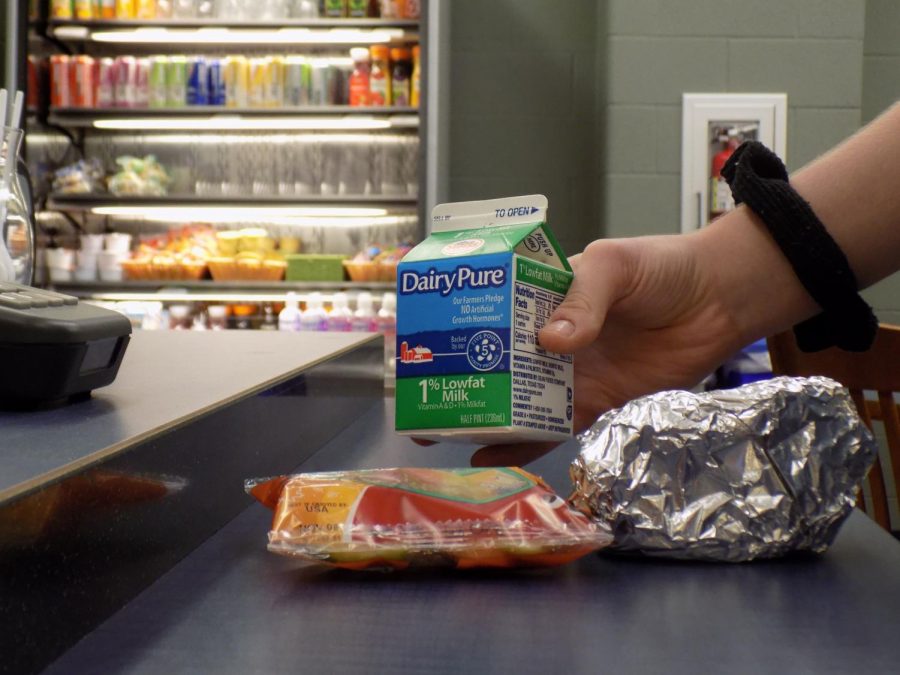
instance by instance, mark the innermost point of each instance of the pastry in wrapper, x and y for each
(400, 518)
(733, 475)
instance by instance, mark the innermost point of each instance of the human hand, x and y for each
(642, 315)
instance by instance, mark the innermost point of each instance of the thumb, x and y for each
(600, 280)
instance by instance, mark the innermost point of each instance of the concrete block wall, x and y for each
(881, 88)
(657, 50)
(523, 87)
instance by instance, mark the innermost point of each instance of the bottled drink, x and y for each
(314, 318)
(386, 324)
(335, 8)
(304, 9)
(206, 9)
(359, 78)
(364, 316)
(358, 9)
(380, 77)
(184, 9)
(269, 321)
(415, 80)
(401, 69)
(126, 9)
(164, 9)
(145, 9)
(289, 317)
(340, 319)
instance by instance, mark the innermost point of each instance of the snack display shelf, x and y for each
(215, 291)
(87, 202)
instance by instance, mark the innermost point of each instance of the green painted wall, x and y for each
(881, 88)
(522, 112)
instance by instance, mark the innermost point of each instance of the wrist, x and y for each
(756, 285)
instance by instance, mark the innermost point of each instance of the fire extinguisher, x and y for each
(720, 199)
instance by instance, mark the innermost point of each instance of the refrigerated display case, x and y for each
(312, 172)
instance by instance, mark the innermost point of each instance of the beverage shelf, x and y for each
(215, 291)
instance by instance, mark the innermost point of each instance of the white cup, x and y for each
(86, 259)
(114, 274)
(85, 273)
(117, 242)
(61, 258)
(59, 274)
(111, 260)
(92, 243)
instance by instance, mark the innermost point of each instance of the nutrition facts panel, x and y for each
(537, 373)
(533, 307)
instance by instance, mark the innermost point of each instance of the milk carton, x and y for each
(471, 299)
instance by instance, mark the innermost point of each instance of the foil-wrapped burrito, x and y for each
(732, 475)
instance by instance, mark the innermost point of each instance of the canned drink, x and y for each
(142, 83)
(84, 9)
(83, 93)
(145, 9)
(318, 89)
(215, 69)
(126, 9)
(61, 9)
(256, 96)
(296, 81)
(237, 81)
(126, 81)
(339, 84)
(157, 83)
(176, 82)
(107, 9)
(60, 93)
(106, 83)
(197, 81)
(275, 82)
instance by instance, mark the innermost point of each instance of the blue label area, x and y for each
(455, 315)
(452, 352)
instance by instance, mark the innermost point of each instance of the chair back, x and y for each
(877, 371)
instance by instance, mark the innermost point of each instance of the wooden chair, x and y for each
(876, 370)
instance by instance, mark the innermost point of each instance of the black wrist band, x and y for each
(758, 178)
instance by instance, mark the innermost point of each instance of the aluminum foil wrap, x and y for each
(732, 475)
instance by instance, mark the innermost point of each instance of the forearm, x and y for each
(853, 190)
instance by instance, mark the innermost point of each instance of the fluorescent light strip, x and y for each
(217, 214)
(236, 123)
(235, 36)
(177, 296)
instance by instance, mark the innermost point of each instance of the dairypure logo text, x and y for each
(444, 283)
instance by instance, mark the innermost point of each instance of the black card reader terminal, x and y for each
(54, 348)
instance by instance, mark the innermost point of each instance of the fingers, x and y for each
(600, 280)
(516, 454)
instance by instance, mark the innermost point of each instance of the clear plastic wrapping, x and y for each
(400, 518)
